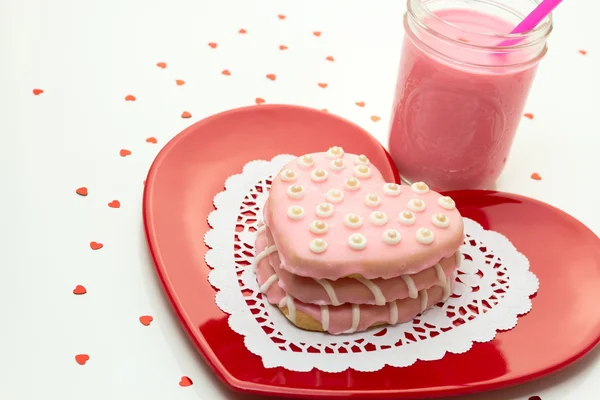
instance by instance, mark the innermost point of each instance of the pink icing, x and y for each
(340, 317)
(377, 259)
(350, 290)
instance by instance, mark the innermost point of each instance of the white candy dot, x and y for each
(337, 165)
(407, 217)
(440, 220)
(317, 245)
(335, 152)
(295, 192)
(319, 227)
(391, 189)
(318, 175)
(372, 200)
(306, 160)
(378, 218)
(352, 183)
(324, 210)
(357, 241)
(353, 221)
(416, 205)
(446, 202)
(288, 175)
(424, 236)
(391, 237)
(295, 212)
(362, 171)
(361, 160)
(334, 196)
(419, 187)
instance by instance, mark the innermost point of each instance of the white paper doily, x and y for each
(492, 288)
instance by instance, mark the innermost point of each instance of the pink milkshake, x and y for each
(459, 98)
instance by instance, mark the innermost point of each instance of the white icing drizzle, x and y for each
(261, 229)
(319, 175)
(258, 258)
(442, 281)
(410, 284)
(378, 218)
(337, 165)
(440, 220)
(424, 236)
(361, 160)
(391, 189)
(424, 299)
(446, 202)
(335, 152)
(353, 221)
(295, 212)
(376, 290)
(372, 200)
(306, 161)
(362, 171)
(416, 205)
(407, 217)
(288, 175)
(330, 291)
(282, 302)
(317, 246)
(352, 183)
(391, 237)
(318, 227)
(458, 257)
(265, 286)
(356, 241)
(355, 318)
(393, 313)
(334, 196)
(291, 308)
(324, 210)
(295, 192)
(419, 187)
(325, 318)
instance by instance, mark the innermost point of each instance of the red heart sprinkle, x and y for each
(259, 100)
(242, 31)
(82, 358)
(271, 77)
(37, 92)
(151, 139)
(583, 52)
(96, 245)
(124, 153)
(186, 114)
(161, 65)
(82, 191)
(536, 177)
(130, 97)
(146, 319)
(185, 381)
(114, 204)
(323, 85)
(528, 115)
(79, 290)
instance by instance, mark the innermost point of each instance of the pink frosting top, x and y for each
(332, 215)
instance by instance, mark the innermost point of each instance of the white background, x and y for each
(88, 55)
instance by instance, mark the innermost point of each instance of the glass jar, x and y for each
(461, 90)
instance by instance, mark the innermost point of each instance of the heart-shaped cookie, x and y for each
(332, 215)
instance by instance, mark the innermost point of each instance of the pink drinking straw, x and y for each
(532, 20)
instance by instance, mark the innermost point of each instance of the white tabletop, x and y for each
(87, 56)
